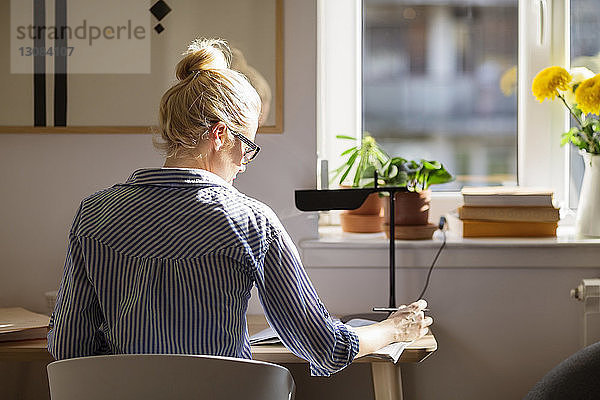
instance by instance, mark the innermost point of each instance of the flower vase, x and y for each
(588, 211)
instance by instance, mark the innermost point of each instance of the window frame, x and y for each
(543, 41)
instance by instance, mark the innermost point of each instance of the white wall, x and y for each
(45, 176)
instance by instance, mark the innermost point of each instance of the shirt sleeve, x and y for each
(294, 310)
(77, 317)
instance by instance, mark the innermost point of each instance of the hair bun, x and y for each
(203, 55)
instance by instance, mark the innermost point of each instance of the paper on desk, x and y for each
(266, 336)
(391, 352)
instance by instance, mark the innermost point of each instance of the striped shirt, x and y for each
(164, 263)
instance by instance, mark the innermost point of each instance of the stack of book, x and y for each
(506, 212)
(20, 324)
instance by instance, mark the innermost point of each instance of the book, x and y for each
(20, 324)
(507, 196)
(471, 228)
(266, 336)
(391, 352)
(522, 213)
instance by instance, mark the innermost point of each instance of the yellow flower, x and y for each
(548, 81)
(508, 81)
(579, 75)
(587, 95)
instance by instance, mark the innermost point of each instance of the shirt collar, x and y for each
(179, 177)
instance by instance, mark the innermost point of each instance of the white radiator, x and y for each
(588, 292)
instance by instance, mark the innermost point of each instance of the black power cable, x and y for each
(441, 225)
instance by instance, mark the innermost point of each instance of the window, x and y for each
(433, 76)
(429, 84)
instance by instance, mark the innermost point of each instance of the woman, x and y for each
(164, 263)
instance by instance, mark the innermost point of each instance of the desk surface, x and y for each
(31, 350)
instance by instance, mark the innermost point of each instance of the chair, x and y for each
(168, 376)
(575, 378)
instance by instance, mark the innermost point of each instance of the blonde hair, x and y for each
(207, 92)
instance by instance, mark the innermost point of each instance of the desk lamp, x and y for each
(350, 199)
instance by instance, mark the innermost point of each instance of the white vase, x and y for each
(588, 210)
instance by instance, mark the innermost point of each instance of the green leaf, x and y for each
(385, 167)
(398, 160)
(368, 171)
(359, 170)
(392, 171)
(438, 177)
(345, 137)
(431, 165)
(351, 149)
(350, 163)
(345, 175)
(381, 156)
(413, 165)
(576, 140)
(400, 180)
(568, 136)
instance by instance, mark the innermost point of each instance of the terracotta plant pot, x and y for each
(412, 208)
(361, 223)
(373, 205)
(411, 232)
(365, 219)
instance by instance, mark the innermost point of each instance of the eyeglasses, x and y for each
(252, 150)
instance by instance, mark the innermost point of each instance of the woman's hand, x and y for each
(409, 323)
(404, 325)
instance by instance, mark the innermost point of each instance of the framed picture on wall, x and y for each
(101, 66)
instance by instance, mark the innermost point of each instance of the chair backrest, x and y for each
(168, 376)
(575, 378)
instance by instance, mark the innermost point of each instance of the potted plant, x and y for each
(364, 158)
(411, 210)
(411, 207)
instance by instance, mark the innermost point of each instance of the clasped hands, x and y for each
(409, 322)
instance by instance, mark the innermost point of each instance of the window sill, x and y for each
(336, 249)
